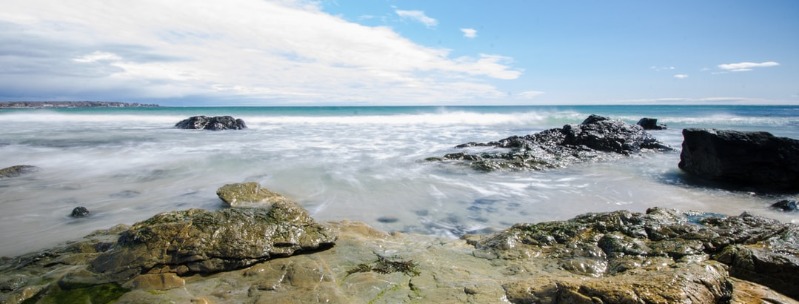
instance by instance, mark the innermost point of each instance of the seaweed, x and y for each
(386, 265)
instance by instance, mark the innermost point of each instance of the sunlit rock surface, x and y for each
(663, 256)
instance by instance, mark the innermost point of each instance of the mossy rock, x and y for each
(98, 294)
(201, 241)
(248, 195)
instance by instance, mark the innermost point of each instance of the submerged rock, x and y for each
(214, 123)
(754, 159)
(200, 241)
(650, 124)
(785, 205)
(15, 171)
(597, 137)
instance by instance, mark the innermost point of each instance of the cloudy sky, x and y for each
(396, 52)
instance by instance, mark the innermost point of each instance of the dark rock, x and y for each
(200, 241)
(211, 123)
(785, 205)
(596, 138)
(616, 247)
(80, 212)
(650, 124)
(753, 159)
(387, 219)
(15, 171)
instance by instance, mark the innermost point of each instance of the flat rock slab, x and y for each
(248, 195)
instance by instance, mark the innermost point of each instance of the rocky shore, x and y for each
(271, 251)
(262, 247)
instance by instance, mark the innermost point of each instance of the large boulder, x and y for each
(18, 170)
(201, 241)
(661, 256)
(214, 123)
(596, 138)
(754, 159)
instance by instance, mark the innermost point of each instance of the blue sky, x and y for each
(392, 52)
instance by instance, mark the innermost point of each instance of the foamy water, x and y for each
(366, 164)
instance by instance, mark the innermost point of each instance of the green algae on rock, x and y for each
(386, 265)
(634, 247)
(200, 241)
(663, 256)
(248, 195)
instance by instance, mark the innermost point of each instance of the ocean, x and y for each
(344, 163)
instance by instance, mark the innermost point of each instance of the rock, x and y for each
(161, 281)
(200, 241)
(15, 171)
(596, 138)
(650, 124)
(80, 212)
(689, 283)
(248, 195)
(753, 159)
(785, 205)
(644, 250)
(214, 123)
(617, 257)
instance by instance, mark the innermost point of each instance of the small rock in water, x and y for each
(80, 212)
(387, 219)
(785, 205)
(212, 123)
(650, 124)
(15, 171)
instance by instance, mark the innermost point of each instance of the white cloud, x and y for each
(661, 68)
(417, 16)
(469, 32)
(98, 56)
(680, 76)
(529, 94)
(746, 66)
(221, 50)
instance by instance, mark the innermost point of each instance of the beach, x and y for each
(345, 163)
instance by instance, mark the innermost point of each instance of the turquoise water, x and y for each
(356, 163)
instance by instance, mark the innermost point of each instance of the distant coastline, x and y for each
(71, 104)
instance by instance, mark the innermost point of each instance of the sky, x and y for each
(401, 52)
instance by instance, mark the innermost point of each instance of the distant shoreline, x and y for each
(72, 104)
